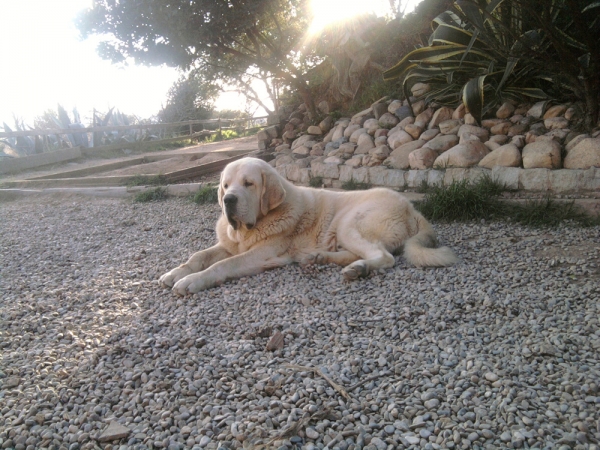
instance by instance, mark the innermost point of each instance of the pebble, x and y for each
(89, 338)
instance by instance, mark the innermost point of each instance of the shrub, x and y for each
(206, 194)
(151, 195)
(316, 182)
(355, 186)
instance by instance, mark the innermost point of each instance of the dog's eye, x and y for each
(247, 184)
(225, 186)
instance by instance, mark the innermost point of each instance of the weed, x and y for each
(355, 186)
(147, 180)
(206, 194)
(465, 201)
(151, 195)
(316, 182)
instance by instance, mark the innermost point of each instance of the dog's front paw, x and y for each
(173, 276)
(193, 283)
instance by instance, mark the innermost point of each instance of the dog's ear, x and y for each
(273, 193)
(220, 191)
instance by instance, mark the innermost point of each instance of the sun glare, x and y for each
(328, 12)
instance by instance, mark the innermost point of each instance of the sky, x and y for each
(45, 63)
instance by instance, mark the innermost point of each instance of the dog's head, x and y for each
(248, 190)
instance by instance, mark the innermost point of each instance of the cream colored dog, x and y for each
(268, 222)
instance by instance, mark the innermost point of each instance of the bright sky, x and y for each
(44, 63)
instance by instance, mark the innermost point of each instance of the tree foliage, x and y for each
(221, 39)
(190, 98)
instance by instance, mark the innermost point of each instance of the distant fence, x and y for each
(160, 131)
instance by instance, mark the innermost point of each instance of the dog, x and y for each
(268, 222)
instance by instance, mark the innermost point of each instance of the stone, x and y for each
(442, 142)
(584, 154)
(283, 160)
(481, 133)
(347, 148)
(519, 141)
(311, 433)
(538, 109)
(519, 128)
(301, 151)
(371, 125)
(542, 155)
(328, 137)
(535, 179)
(418, 107)
(394, 105)
(428, 135)
(365, 138)
(405, 122)
(414, 130)
(323, 106)
(113, 432)
(382, 176)
(379, 109)
(420, 89)
(398, 159)
(381, 132)
(575, 141)
(416, 178)
(283, 148)
(470, 120)
(499, 139)
(403, 112)
(491, 377)
(381, 140)
(555, 111)
(317, 149)
(450, 126)
(506, 156)
(489, 123)
(350, 129)
(505, 111)
(298, 174)
(354, 136)
(492, 145)
(388, 120)
(314, 130)
(424, 118)
(507, 176)
(398, 138)
(302, 140)
(501, 128)
(555, 123)
(324, 170)
(355, 161)
(570, 113)
(326, 124)
(565, 180)
(362, 115)
(459, 112)
(290, 135)
(422, 158)
(339, 131)
(462, 155)
(441, 115)
(381, 152)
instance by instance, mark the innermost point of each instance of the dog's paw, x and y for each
(192, 284)
(173, 276)
(313, 258)
(355, 270)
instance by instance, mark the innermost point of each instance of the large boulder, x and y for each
(542, 155)
(398, 159)
(467, 154)
(398, 138)
(584, 155)
(422, 158)
(442, 142)
(480, 132)
(506, 156)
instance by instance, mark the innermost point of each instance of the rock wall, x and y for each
(528, 147)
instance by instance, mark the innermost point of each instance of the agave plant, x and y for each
(489, 51)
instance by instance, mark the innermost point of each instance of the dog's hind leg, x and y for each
(374, 256)
(341, 258)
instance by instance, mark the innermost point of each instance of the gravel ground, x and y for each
(499, 351)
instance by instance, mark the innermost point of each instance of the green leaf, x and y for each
(425, 54)
(473, 97)
(593, 5)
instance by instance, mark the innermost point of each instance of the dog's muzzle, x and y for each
(230, 202)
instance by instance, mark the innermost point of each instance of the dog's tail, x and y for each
(422, 249)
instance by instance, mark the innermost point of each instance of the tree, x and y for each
(190, 98)
(226, 38)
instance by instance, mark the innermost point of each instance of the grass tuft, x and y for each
(151, 195)
(206, 194)
(316, 182)
(465, 201)
(355, 186)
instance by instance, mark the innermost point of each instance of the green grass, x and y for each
(147, 180)
(355, 186)
(206, 194)
(151, 195)
(316, 182)
(465, 201)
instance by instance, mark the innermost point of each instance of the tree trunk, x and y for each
(304, 90)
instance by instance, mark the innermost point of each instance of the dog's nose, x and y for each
(230, 200)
